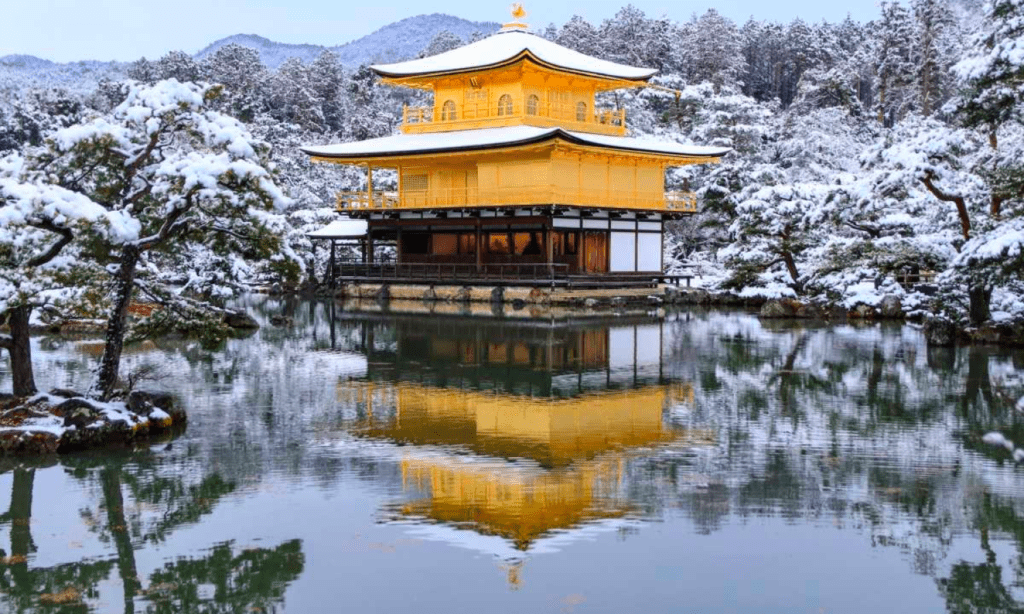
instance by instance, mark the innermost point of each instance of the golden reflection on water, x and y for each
(515, 466)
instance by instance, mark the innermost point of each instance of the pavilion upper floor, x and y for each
(519, 165)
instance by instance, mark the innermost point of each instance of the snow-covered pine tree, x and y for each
(179, 175)
(759, 55)
(142, 70)
(179, 65)
(894, 68)
(244, 78)
(374, 110)
(993, 70)
(631, 38)
(802, 53)
(711, 50)
(579, 35)
(992, 78)
(40, 266)
(932, 58)
(442, 41)
(772, 230)
(293, 97)
(328, 82)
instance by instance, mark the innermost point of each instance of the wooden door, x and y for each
(595, 250)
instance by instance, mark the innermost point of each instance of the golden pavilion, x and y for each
(514, 172)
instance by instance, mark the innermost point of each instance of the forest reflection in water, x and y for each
(625, 462)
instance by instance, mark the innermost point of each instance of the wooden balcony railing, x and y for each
(467, 117)
(684, 202)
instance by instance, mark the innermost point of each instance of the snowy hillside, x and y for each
(406, 38)
(272, 53)
(21, 71)
(398, 41)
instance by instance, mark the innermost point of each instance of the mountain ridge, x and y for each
(396, 41)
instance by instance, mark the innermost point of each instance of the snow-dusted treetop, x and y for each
(506, 47)
(487, 138)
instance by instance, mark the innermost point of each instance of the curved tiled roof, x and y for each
(510, 46)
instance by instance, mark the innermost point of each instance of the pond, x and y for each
(379, 460)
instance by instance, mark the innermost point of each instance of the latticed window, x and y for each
(532, 104)
(581, 112)
(448, 113)
(505, 105)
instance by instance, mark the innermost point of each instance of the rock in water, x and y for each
(891, 307)
(863, 311)
(238, 319)
(940, 332)
(77, 413)
(774, 309)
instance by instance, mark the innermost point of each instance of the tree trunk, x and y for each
(20, 516)
(787, 258)
(117, 524)
(995, 207)
(19, 346)
(981, 297)
(124, 285)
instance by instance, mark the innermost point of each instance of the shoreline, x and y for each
(62, 421)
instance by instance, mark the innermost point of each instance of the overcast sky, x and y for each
(67, 30)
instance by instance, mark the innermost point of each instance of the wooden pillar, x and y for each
(581, 249)
(312, 265)
(334, 272)
(369, 246)
(661, 248)
(479, 246)
(398, 245)
(369, 186)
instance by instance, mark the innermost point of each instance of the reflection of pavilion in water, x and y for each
(548, 414)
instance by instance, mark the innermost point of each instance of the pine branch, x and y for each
(961, 206)
(872, 231)
(65, 237)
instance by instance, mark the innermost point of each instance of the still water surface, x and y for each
(691, 462)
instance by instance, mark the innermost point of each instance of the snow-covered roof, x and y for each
(509, 46)
(340, 229)
(490, 138)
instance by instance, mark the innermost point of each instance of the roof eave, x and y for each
(526, 54)
(556, 133)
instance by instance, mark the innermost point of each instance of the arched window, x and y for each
(581, 111)
(532, 104)
(505, 105)
(448, 113)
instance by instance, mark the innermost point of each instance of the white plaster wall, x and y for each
(623, 252)
(649, 251)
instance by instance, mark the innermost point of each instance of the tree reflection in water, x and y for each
(250, 579)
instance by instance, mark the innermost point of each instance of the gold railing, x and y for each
(363, 200)
(684, 202)
(471, 116)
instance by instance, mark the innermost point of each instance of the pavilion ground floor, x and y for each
(557, 246)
